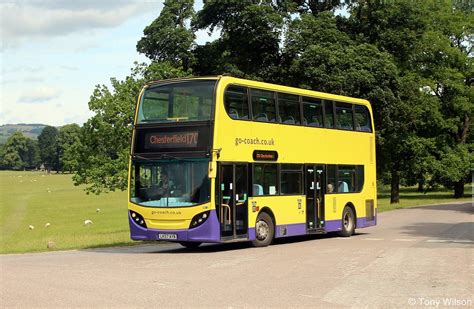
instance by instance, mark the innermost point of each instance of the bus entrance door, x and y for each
(233, 201)
(314, 197)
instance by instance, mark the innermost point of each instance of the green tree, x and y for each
(320, 55)
(104, 147)
(19, 152)
(169, 37)
(444, 57)
(412, 60)
(69, 143)
(316, 6)
(32, 156)
(48, 146)
(250, 37)
(2, 155)
(426, 40)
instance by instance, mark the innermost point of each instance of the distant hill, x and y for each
(31, 130)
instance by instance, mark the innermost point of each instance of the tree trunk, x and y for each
(459, 189)
(395, 188)
(420, 186)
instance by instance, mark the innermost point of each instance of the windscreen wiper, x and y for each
(135, 156)
(161, 156)
(167, 156)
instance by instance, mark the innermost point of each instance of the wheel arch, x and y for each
(267, 210)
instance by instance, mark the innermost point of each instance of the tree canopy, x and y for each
(104, 149)
(411, 60)
(169, 37)
(69, 143)
(20, 152)
(48, 146)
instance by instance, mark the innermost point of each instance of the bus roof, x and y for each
(267, 86)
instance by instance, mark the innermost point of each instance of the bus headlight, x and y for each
(199, 219)
(137, 218)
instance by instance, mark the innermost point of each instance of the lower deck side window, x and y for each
(345, 178)
(291, 179)
(287, 179)
(264, 179)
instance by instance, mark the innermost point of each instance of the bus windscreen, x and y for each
(176, 102)
(170, 183)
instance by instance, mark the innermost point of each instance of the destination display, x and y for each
(265, 155)
(171, 140)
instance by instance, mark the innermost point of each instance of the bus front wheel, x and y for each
(264, 230)
(348, 222)
(190, 244)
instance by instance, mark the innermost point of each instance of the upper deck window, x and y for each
(180, 101)
(236, 102)
(362, 118)
(263, 105)
(312, 112)
(344, 116)
(289, 108)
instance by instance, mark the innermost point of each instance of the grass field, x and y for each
(34, 198)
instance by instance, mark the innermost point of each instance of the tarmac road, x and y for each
(419, 257)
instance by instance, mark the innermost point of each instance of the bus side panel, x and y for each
(288, 211)
(238, 139)
(335, 204)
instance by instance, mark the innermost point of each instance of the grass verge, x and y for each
(410, 197)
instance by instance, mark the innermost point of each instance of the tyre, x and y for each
(264, 230)
(348, 222)
(190, 244)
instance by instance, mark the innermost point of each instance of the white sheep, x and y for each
(47, 224)
(31, 227)
(88, 222)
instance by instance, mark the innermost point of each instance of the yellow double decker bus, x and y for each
(223, 159)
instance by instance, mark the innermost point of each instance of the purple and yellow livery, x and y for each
(223, 159)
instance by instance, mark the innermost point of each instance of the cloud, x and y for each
(24, 68)
(33, 69)
(8, 81)
(104, 5)
(69, 68)
(39, 95)
(34, 19)
(33, 79)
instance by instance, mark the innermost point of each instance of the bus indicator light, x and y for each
(138, 218)
(199, 219)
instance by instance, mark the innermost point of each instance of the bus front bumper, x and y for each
(209, 231)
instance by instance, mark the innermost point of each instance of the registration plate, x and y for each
(168, 236)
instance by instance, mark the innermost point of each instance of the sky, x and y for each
(54, 52)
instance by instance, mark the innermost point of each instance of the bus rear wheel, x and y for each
(348, 222)
(190, 244)
(264, 230)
